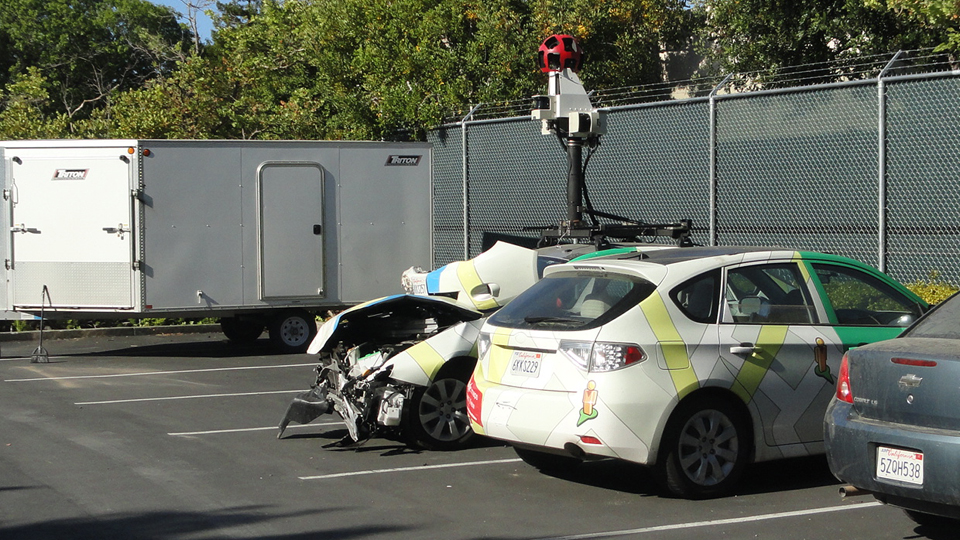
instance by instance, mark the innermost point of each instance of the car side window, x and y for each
(860, 299)
(698, 298)
(767, 294)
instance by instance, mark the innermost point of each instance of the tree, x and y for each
(88, 48)
(380, 69)
(940, 18)
(21, 116)
(765, 35)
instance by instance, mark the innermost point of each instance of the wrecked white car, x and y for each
(398, 366)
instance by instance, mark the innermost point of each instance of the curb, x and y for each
(34, 335)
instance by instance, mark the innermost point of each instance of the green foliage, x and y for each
(933, 289)
(940, 18)
(22, 105)
(383, 69)
(387, 69)
(87, 49)
(764, 35)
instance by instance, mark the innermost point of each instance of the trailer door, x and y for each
(291, 229)
(71, 217)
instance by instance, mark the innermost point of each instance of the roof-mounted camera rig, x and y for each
(566, 111)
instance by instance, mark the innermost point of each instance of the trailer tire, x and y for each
(292, 331)
(241, 330)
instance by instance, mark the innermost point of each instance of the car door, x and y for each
(774, 336)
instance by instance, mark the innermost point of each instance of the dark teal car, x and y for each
(893, 428)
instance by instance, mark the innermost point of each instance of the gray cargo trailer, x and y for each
(260, 233)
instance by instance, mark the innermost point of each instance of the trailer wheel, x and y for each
(241, 330)
(292, 331)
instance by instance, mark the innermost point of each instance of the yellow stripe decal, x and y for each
(671, 344)
(499, 356)
(469, 280)
(427, 358)
(804, 271)
(754, 368)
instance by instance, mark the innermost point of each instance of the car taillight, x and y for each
(600, 357)
(611, 356)
(844, 392)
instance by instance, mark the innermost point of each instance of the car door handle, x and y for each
(743, 348)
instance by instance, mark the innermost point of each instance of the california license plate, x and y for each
(525, 363)
(900, 465)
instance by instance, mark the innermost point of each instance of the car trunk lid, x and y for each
(911, 381)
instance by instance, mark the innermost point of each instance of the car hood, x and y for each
(367, 321)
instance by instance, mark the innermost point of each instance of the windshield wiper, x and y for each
(550, 320)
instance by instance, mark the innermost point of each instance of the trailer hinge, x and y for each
(6, 194)
(137, 194)
(137, 265)
(7, 264)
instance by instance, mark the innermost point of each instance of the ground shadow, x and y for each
(216, 348)
(173, 525)
(781, 475)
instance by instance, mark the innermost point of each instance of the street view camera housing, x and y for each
(566, 110)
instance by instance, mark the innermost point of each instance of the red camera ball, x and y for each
(559, 52)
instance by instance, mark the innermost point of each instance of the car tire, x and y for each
(705, 448)
(292, 331)
(545, 461)
(436, 417)
(241, 330)
(931, 520)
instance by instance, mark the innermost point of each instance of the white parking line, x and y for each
(243, 430)
(407, 469)
(144, 373)
(717, 522)
(170, 398)
(22, 358)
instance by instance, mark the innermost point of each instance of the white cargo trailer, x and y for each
(260, 233)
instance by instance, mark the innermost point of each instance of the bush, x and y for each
(934, 289)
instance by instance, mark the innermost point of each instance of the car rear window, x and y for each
(941, 322)
(573, 301)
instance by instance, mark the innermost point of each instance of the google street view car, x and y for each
(693, 361)
(398, 366)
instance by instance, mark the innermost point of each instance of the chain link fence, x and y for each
(861, 160)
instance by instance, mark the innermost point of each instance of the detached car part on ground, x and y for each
(692, 361)
(398, 366)
(893, 427)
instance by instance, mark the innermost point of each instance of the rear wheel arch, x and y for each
(706, 394)
(713, 394)
(705, 444)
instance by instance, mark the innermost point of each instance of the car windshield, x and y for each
(941, 322)
(573, 301)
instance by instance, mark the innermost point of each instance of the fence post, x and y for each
(713, 159)
(882, 164)
(466, 181)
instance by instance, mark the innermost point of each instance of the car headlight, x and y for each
(601, 357)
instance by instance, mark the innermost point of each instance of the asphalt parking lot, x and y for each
(174, 437)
